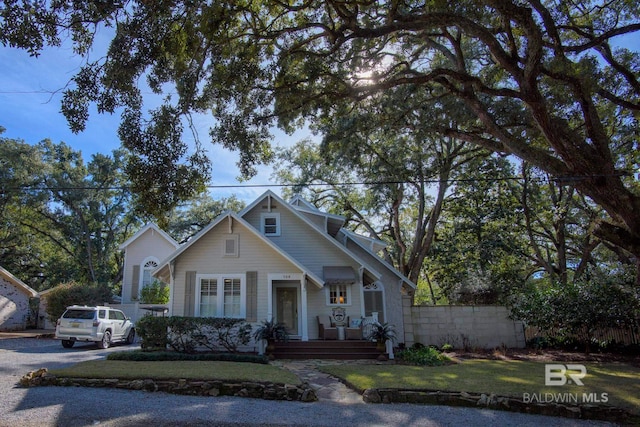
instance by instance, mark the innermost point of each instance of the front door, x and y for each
(287, 308)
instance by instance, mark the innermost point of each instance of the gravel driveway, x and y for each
(79, 406)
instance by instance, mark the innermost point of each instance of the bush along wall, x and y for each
(191, 334)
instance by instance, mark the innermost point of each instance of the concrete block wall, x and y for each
(461, 326)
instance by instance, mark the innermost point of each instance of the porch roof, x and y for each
(342, 275)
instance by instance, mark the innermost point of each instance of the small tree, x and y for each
(155, 293)
(74, 293)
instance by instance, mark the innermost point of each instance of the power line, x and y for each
(561, 180)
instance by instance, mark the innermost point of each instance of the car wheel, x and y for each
(106, 340)
(67, 343)
(131, 337)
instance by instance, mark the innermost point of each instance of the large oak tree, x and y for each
(543, 79)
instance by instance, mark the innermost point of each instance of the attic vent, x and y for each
(231, 246)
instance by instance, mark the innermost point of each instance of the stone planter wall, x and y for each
(432, 397)
(268, 391)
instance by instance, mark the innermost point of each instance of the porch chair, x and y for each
(353, 329)
(326, 331)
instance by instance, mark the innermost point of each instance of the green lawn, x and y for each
(178, 369)
(506, 378)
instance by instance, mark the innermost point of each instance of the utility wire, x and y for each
(562, 180)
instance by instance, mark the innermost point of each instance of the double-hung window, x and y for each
(339, 294)
(270, 224)
(221, 295)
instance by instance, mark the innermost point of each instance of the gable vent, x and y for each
(231, 246)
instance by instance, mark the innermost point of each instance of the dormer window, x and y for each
(270, 224)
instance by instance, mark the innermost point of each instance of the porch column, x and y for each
(270, 297)
(303, 308)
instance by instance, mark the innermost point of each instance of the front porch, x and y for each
(326, 349)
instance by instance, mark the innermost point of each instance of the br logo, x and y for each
(556, 374)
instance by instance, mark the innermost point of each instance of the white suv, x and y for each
(103, 325)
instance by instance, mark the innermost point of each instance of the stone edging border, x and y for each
(491, 401)
(304, 393)
(267, 391)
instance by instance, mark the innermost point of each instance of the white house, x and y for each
(288, 261)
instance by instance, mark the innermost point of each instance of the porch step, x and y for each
(330, 349)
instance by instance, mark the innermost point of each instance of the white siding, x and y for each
(311, 249)
(303, 242)
(206, 256)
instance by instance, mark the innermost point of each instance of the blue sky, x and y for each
(30, 111)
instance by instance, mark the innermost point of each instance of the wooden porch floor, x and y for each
(327, 349)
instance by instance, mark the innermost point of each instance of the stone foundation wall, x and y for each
(268, 391)
(465, 327)
(433, 397)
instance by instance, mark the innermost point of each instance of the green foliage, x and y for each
(74, 293)
(271, 330)
(158, 356)
(425, 356)
(569, 109)
(477, 258)
(188, 334)
(577, 308)
(155, 293)
(446, 347)
(61, 218)
(191, 216)
(381, 332)
(153, 332)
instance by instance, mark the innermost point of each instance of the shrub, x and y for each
(187, 334)
(159, 356)
(381, 332)
(271, 330)
(154, 293)
(153, 332)
(72, 293)
(446, 347)
(427, 356)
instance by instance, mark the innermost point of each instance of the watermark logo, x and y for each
(556, 374)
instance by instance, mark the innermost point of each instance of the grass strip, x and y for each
(621, 382)
(201, 370)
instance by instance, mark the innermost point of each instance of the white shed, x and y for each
(14, 302)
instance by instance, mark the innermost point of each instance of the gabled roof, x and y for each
(333, 223)
(165, 263)
(374, 245)
(356, 239)
(153, 227)
(312, 226)
(19, 284)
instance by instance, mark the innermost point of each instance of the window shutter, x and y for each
(189, 293)
(252, 296)
(135, 281)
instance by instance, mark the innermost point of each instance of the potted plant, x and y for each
(381, 333)
(271, 331)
